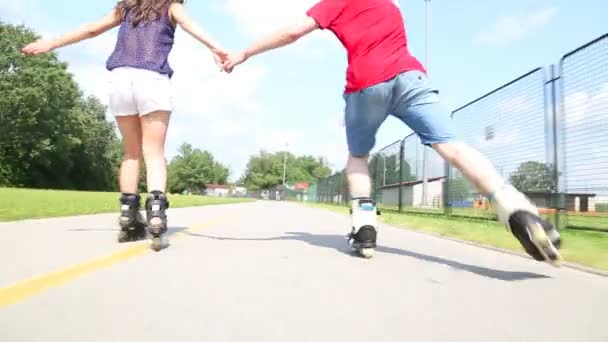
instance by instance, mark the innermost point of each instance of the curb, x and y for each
(566, 264)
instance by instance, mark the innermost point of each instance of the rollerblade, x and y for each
(132, 224)
(538, 236)
(156, 204)
(362, 238)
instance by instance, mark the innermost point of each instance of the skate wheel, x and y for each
(544, 245)
(123, 236)
(367, 253)
(159, 243)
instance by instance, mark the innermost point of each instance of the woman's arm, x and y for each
(87, 31)
(179, 15)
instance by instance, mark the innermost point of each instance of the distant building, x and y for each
(300, 191)
(574, 202)
(217, 190)
(225, 190)
(239, 191)
(301, 186)
(411, 193)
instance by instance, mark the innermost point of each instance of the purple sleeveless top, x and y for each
(146, 46)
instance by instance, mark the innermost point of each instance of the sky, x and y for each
(292, 98)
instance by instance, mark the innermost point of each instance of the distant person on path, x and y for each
(140, 98)
(383, 79)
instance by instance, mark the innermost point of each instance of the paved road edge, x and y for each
(570, 265)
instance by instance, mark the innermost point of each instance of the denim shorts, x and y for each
(410, 97)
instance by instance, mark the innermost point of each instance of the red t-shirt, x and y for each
(373, 33)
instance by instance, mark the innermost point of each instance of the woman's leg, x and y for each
(154, 131)
(131, 222)
(130, 130)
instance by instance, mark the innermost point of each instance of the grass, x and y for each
(16, 204)
(582, 247)
(598, 221)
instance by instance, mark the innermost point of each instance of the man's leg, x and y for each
(473, 165)
(538, 237)
(417, 105)
(357, 172)
(365, 112)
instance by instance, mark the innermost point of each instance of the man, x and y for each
(384, 78)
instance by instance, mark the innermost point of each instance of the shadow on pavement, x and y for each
(339, 243)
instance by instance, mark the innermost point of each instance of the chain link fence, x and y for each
(508, 126)
(545, 132)
(333, 189)
(583, 133)
(385, 167)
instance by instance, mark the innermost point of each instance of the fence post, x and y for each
(373, 167)
(425, 185)
(401, 161)
(561, 219)
(331, 190)
(345, 192)
(555, 202)
(447, 208)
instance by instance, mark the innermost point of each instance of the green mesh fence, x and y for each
(544, 131)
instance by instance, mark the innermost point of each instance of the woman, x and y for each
(140, 98)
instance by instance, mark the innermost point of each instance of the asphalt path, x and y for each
(273, 271)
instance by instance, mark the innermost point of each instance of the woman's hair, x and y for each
(143, 10)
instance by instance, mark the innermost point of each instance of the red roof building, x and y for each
(301, 186)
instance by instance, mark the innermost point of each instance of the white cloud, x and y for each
(581, 105)
(257, 18)
(510, 28)
(221, 113)
(515, 106)
(542, 17)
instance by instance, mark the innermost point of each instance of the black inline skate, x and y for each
(539, 238)
(131, 222)
(156, 204)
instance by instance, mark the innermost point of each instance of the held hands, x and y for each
(233, 60)
(220, 56)
(227, 61)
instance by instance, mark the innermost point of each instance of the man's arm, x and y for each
(275, 40)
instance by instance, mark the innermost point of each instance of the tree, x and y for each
(266, 170)
(192, 168)
(534, 176)
(97, 155)
(460, 189)
(49, 135)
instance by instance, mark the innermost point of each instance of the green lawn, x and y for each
(599, 221)
(595, 222)
(18, 204)
(582, 247)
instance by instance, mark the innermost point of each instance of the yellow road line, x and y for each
(30, 287)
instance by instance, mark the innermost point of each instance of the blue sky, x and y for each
(295, 95)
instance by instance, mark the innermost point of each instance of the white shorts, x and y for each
(139, 92)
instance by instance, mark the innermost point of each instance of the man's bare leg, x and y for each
(512, 207)
(363, 208)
